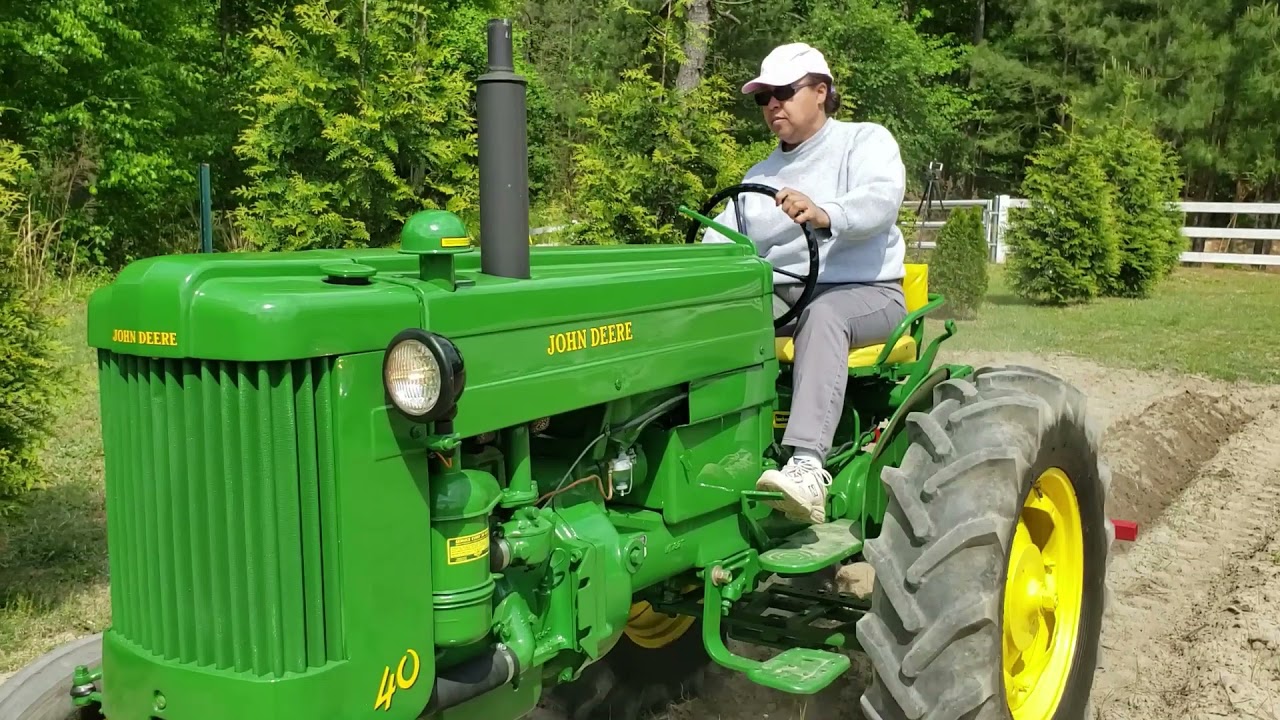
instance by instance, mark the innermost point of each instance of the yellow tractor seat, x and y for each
(916, 288)
(903, 351)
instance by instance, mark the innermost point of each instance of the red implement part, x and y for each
(1126, 530)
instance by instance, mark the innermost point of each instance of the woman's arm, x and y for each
(878, 183)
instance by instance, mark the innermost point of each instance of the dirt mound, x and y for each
(1155, 453)
(1194, 630)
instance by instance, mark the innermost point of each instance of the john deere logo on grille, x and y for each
(144, 337)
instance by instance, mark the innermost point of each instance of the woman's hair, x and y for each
(831, 105)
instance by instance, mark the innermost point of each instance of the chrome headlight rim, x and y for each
(452, 373)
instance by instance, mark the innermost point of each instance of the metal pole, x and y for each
(1002, 222)
(206, 211)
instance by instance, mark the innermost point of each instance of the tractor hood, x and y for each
(250, 307)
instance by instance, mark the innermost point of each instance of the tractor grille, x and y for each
(221, 511)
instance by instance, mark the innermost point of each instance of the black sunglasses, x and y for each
(783, 93)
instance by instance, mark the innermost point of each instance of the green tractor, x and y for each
(433, 482)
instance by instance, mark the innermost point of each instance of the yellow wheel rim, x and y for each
(651, 629)
(1042, 598)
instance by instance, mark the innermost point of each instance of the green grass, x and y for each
(1222, 324)
(53, 566)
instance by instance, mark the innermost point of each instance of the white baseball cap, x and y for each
(787, 64)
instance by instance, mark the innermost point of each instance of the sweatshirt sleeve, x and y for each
(877, 185)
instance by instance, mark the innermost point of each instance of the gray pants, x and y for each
(838, 319)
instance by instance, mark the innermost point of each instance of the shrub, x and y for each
(646, 150)
(1144, 176)
(28, 372)
(908, 224)
(359, 114)
(958, 268)
(1063, 247)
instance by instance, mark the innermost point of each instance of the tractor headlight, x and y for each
(423, 374)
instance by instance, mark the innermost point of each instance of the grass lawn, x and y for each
(53, 569)
(1222, 324)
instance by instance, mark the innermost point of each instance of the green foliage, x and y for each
(645, 151)
(361, 114)
(958, 267)
(1037, 57)
(1203, 74)
(120, 101)
(888, 72)
(1064, 246)
(29, 373)
(1143, 174)
(327, 121)
(909, 225)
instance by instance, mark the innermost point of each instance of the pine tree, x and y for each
(958, 268)
(1064, 246)
(1142, 173)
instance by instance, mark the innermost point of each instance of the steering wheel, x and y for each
(810, 280)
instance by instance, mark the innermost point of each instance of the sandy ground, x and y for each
(1193, 630)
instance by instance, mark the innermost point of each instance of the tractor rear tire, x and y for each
(42, 689)
(1004, 461)
(632, 682)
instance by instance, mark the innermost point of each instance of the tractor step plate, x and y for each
(813, 548)
(800, 670)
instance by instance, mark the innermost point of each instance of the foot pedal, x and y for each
(812, 548)
(802, 671)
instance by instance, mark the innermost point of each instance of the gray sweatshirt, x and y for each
(854, 171)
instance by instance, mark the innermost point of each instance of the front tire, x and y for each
(42, 689)
(991, 563)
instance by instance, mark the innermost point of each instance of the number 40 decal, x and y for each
(390, 683)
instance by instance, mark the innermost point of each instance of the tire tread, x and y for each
(937, 655)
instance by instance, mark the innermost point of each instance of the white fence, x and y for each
(995, 219)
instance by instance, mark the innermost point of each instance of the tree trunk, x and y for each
(980, 23)
(696, 41)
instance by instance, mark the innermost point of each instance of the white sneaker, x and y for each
(803, 483)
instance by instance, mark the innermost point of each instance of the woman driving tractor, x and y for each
(846, 180)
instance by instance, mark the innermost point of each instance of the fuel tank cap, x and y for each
(349, 273)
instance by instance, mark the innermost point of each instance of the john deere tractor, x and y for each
(454, 482)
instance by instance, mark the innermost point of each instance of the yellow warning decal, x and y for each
(780, 418)
(466, 548)
(452, 242)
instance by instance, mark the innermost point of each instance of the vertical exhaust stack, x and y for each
(504, 161)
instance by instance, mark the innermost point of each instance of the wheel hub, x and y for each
(1043, 597)
(651, 629)
(1026, 589)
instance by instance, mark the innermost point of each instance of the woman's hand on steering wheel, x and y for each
(800, 208)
